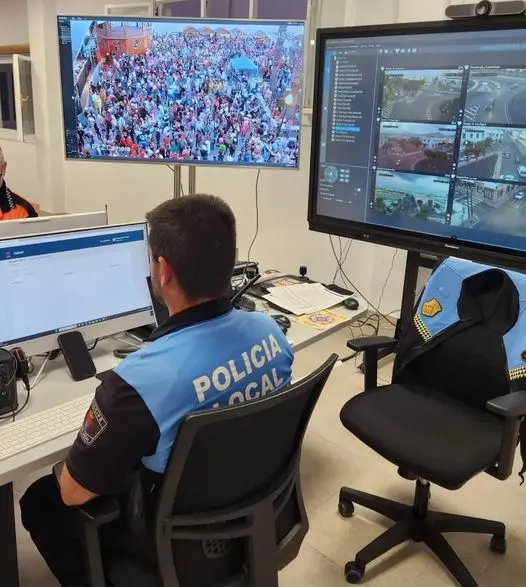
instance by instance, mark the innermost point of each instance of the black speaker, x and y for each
(8, 387)
(486, 8)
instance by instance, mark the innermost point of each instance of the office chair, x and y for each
(230, 511)
(451, 412)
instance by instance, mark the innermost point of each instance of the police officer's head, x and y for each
(192, 250)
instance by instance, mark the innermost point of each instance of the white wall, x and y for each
(130, 190)
(13, 22)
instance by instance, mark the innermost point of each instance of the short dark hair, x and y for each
(197, 237)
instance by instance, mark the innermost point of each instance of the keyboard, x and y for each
(27, 433)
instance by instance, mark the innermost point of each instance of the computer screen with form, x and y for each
(91, 280)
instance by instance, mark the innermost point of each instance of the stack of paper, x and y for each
(304, 298)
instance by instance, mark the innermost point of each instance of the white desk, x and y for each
(55, 388)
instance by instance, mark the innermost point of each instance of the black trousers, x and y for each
(57, 534)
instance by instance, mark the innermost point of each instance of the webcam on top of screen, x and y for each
(486, 8)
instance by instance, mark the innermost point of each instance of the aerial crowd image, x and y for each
(451, 147)
(217, 93)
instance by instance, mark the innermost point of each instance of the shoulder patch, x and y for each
(431, 308)
(94, 424)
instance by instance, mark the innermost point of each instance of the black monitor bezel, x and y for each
(383, 235)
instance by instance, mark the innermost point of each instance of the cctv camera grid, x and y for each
(495, 163)
(489, 191)
(417, 133)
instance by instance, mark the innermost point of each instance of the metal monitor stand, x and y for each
(415, 261)
(178, 183)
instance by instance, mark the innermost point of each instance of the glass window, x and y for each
(281, 9)
(239, 8)
(182, 8)
(7, 97)
(228, 8)
(132, 9)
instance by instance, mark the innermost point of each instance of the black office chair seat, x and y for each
(423, 432)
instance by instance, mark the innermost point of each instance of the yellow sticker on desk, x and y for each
(431, 308)
(321, 320)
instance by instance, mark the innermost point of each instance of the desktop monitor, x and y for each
(91, 280)
(193, 92)
(12, 228)
(419, 137)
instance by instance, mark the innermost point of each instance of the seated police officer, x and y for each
(206, 355)
(12, 206)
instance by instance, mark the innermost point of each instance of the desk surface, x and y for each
(56, 387)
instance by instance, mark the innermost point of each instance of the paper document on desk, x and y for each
(323, 320)
(304, 298)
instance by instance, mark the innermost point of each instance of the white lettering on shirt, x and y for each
(248, 391)
(224, 374)
(236, 376)
(237, 370)
(267, 350)
(266, 384)
(201, 386)
(258, 363)
(274, 345)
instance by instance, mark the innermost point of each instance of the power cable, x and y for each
(257, 217)
(346, 279)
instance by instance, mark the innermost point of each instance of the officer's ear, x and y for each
(166, 274)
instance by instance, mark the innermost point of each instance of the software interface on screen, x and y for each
(199, 92)
(58, 282)
(427, 133)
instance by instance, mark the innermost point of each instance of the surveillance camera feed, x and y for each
(192, 92)
(426, 133)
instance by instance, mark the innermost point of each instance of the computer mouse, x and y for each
(282, 321)
(351, 304)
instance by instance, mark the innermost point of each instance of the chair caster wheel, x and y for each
(498, 544)
(354, 573)
(346, 509)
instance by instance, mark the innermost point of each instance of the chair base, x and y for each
(419, 524)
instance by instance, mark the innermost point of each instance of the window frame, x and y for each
(108, 9)
(22, 137)
(16, 134)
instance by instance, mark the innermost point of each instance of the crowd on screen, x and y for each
(184, 100)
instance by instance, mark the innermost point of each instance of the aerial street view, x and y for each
(408, 146)
(411, 195)
(493, 153)
(432, 94)
(496, 96)
(491, 206)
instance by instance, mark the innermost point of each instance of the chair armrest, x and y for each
(511, 405)
(98, 512)
(373, 343)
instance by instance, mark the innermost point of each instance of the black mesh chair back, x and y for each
(231, 504)
(469, 364)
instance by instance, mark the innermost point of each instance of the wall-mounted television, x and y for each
(419, 137)
(193, 92)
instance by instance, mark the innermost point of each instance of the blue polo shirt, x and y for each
(209, 356)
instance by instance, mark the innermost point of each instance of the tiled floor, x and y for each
(332, 458)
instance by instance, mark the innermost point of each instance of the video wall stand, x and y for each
(178, 191)
(415, 261)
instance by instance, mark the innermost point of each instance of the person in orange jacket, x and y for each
(12, 206)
